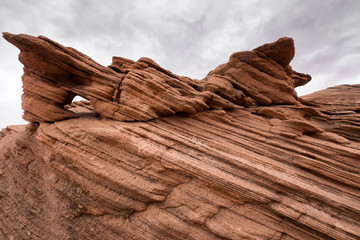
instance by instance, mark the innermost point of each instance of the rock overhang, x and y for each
(142, 90)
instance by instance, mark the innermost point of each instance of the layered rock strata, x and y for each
(279, 168)
(142, 90)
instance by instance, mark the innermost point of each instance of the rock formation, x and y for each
(142, 90)
(153, 155)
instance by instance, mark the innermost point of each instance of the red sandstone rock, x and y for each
(251, 162)
(142, 90)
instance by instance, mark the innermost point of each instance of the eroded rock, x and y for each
(258, 164)
(142, 90)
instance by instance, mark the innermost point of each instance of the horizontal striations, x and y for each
(236, 155)
(141, 90)
(215, 174)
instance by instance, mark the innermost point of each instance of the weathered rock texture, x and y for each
(278, 168)
(142, 90)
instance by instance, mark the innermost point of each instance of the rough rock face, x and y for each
(251, 162)
(142, 90)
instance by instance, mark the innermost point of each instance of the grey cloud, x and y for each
(187, 37)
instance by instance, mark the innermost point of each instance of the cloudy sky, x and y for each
(188, 37)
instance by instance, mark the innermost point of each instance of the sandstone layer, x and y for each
(238, 156)
(142, 90)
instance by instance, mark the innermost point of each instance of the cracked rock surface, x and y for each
(267, 166)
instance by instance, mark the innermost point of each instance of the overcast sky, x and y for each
(188, 37)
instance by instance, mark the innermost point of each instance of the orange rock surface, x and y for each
(153, 155)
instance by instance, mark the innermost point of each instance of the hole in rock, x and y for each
(81, 106)
(78, 98)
